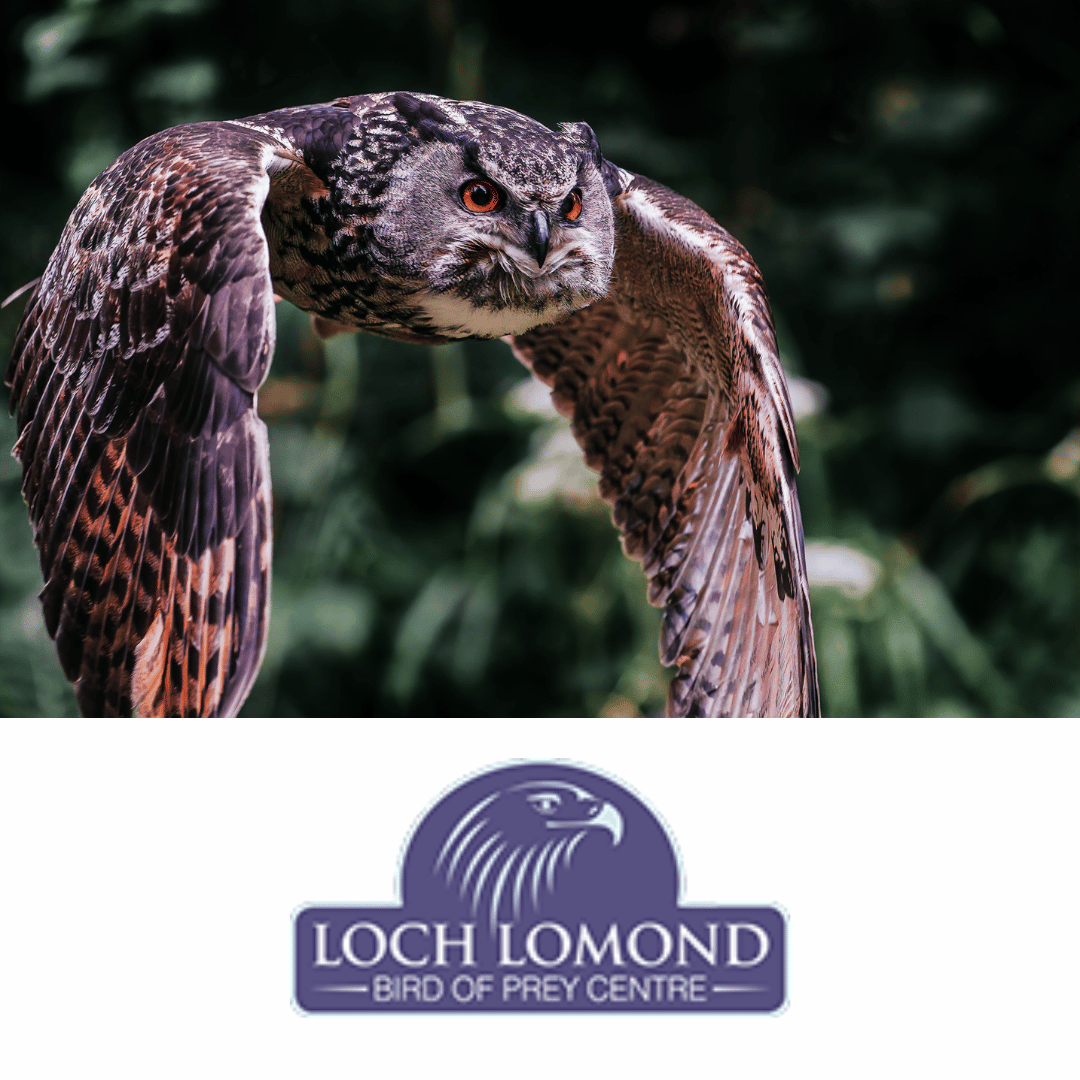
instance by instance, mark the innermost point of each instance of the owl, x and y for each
(137, 365)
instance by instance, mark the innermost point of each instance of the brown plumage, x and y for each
(146, 472)
(136, 368)
(674, 387)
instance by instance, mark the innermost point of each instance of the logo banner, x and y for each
(539, 887)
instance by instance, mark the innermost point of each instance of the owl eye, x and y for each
(480, 196)
(571, 206)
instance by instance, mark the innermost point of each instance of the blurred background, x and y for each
(905, 172)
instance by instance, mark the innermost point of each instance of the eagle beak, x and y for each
(539, 233)
(609, 818)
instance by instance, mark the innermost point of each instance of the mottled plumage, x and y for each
(137, 364)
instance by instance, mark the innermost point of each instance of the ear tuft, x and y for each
(425, 116)
(587, 139)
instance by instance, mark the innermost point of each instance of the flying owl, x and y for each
(138, 361)
(505, 856)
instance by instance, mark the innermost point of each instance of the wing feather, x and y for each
(677, 398)
(145, 466)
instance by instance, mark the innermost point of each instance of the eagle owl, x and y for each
(138, 361)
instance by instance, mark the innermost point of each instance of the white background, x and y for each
(150, 873)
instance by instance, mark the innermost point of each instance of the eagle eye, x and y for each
(571, 206)
(545, 802)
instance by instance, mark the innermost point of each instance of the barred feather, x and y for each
(677, 398)
(146, 469)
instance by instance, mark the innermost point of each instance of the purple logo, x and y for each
(539, 888)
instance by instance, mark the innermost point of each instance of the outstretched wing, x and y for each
(678, 399)
(145, 466)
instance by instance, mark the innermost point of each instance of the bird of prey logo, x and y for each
(137, 366)
(511, 848)
(539, 886)
(538, 841)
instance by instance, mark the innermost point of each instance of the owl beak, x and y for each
(539, 233)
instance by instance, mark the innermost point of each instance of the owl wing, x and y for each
(675, 390)
(145, 467)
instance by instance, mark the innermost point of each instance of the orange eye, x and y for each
(480, 196)
(571, 206)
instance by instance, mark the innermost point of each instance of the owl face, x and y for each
(503, 223)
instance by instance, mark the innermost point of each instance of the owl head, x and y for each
(504, 224)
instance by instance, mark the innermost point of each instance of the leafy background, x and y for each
(904, 171)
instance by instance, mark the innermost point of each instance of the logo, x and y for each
(539, 888)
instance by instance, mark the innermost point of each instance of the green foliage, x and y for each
(904, 172)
